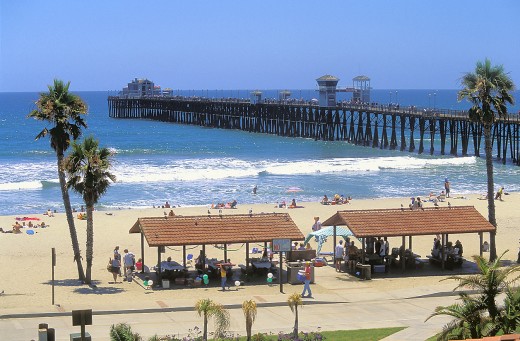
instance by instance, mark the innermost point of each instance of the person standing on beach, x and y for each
(338, 255)
(447, 187)
(317, 224)
(129, 261)
(117, 256)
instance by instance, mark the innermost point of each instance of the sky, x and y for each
(268, 44)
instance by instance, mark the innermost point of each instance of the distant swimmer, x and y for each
(254, 189)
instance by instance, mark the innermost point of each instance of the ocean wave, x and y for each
(22, 185)
(214, 169)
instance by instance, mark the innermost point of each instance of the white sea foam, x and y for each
(214, 169)
(23, 185)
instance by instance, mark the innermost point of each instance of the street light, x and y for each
(434, 96)
(396, 101)
(390, 93)
(429, 100)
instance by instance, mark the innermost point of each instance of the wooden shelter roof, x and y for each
(215, 229)
(406, 222)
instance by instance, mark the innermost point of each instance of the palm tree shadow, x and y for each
(69, 283)
(98, 290)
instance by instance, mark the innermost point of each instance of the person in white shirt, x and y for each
(338, 255)
(129, 261)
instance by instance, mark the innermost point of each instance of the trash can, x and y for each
(366, 271)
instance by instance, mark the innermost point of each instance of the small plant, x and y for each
(123, 332)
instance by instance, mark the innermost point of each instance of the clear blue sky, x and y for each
(268, 44)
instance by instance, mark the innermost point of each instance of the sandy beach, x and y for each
(26, 259)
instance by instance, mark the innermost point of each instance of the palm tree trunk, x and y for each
(490, 191)
(295, 322)
(205, 332)
(249, 326)
(70, 218)
(90, 242)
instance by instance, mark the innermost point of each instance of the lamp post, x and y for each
(429, 100)
(434, 96)
(396, 101)
(390, 93)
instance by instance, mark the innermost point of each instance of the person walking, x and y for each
(307, 280)
(338, 255)
(447, 187)
(117, 256)
(129, 261)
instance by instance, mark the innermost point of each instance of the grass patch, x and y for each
(361, 334)
(351, 335)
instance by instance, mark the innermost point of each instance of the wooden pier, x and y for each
(376, 126)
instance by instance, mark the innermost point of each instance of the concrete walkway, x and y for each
(340, 302)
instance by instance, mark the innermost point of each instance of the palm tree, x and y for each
(87, 168)
(63, 111)
(249, 309)
(207, 308)
(469, 321)
(510, 314)
(294, 301)
(489, 283)
(488, 89)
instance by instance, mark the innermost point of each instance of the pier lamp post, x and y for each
(396, 101)
(429, 100)
(434, 97)
(390, 93)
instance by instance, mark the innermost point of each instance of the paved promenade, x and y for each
(340, 302)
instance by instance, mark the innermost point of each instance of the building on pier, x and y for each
(361, 85)
(327, 89)
(139, 87)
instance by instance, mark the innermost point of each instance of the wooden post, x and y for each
(142, 251)
(280, 274)
(159, 273)
(203, 258)
(363, 240)
(442, 251)
(481, 237)
(410, 243)
(247, 257)
(53, 260)
(183, 256)
(403, 261)
(334, 246)
(225, 252)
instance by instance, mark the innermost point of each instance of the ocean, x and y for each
(185, 165)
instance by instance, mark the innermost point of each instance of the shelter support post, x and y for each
(363, 241)
(203, 258)
(410, 243)
(481, 237)
(159, 271)
(334, 244)
(184, 256)
(403, 262)
(225, 252)
(247, 257)
(443, 238)
(280, 274)
(142, 252)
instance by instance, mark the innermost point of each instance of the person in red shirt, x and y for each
(307, 281)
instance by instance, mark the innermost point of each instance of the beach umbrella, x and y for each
(322, 235)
